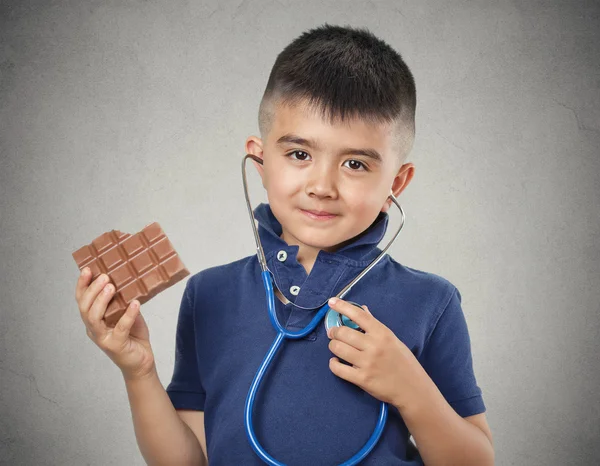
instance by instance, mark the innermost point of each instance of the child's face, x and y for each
(308, 165)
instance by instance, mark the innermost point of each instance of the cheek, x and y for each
(365, 198)
(280, 190)
(270, 177)
(281, 181)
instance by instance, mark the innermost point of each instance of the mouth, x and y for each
(318, 214)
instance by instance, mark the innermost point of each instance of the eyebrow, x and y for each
(288, 139)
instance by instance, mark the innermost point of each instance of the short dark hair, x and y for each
(343, 72)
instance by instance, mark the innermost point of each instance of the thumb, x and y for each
(139, 328)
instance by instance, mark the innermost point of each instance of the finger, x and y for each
(123, 327)
(350, 336)
(343, 371)
(140, 329)
(363, 319)
(91, 293)
(346, 352)
(96, 314)
(82, 283)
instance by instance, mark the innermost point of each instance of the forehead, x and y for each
(308, 122)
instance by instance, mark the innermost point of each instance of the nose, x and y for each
(322, 181)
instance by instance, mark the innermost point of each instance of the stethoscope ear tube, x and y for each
(249, 423)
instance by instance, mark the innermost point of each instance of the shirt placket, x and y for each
(313, 292)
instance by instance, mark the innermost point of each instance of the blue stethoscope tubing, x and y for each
(333, 319)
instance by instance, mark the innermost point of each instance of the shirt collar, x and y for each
(363, 247)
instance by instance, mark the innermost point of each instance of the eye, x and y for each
(355, 165)
(300, 155)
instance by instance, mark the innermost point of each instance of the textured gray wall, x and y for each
(115, 114)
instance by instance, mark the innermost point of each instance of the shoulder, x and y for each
(427, 287)
(409, 301)
(219, 276)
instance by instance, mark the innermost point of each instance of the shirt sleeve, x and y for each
(447, 359)
(185, 389)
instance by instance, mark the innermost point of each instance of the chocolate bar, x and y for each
(139, 266)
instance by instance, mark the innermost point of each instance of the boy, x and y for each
(336, 124)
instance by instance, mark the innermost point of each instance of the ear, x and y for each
(401, 181)
(254, 146)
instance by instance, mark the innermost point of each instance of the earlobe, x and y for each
(387, 204)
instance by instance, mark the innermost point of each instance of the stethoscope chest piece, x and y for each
(335, 319)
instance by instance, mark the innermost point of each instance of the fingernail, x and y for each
(84, 271)
(332, 301)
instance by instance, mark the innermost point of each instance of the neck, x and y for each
(307, 258)
(307, 255)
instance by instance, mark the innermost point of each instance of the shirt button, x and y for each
(295, 290)
(281, 256)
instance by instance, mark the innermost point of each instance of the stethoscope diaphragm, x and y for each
(335, 319)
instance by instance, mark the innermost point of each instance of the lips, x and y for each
(318, 214)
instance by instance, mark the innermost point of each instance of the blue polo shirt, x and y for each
(303, 413)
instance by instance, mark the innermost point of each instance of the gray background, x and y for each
(115, 114)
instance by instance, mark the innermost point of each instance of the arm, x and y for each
(162, 435)
(439, 410)
(442, 436)
(195, 420)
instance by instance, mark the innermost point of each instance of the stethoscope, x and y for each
(332, 319)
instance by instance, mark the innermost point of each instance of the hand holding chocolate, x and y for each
(139, 266)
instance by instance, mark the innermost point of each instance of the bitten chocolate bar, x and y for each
(139, 266)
